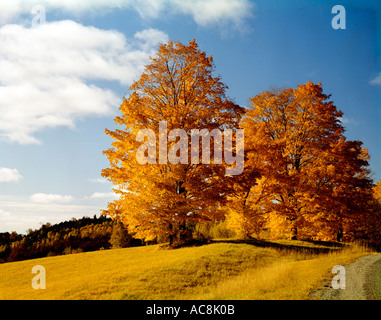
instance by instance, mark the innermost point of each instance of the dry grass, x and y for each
(292, 276)
(216, 271)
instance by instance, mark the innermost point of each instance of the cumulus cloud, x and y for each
(46, 70)
(46, 198)
(10, 10)
(9, 175)
(203, 12)
(215, 11)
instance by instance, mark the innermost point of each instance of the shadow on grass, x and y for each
(325, 247)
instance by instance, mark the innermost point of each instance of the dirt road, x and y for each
(360, 281)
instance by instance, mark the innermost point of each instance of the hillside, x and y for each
(214, 271)
(76, 235)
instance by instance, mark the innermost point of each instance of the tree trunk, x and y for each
(179, 235)
(339, 235)
(294, 233)
(170, 227)
(294, 229)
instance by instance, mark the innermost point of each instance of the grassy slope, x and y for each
(215, 271)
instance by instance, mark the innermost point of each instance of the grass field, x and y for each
(214, 271)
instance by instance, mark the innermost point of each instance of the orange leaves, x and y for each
(312, 173)
(377, 191)
(300, 174)
(177, 88)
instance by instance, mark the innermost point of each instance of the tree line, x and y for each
(74, 236)
(302, 177)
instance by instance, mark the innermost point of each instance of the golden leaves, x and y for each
(177, 87)
(300, 171)
(311, 170)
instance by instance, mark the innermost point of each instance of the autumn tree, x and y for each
(371, 225)
(313, 182)
(243, 211)
(177, 91)
(120, 238)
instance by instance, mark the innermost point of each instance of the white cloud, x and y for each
(4, 213)
(10, 10)
(9, 175)
(21, 216)
(45, 72)
(376, 81)
(104, 195)
(215, 11)
(204, 12)
(46, 198)
(98, 180)
(20, 213)
(349, 121)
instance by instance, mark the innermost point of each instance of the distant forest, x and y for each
(76, 235)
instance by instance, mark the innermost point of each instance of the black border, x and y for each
(137, 309)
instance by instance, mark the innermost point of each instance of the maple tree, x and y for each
(159, 197)
(373, 220)
(313, 181)
(243, 211)
(302, 176)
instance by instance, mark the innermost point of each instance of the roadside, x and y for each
(363, 279)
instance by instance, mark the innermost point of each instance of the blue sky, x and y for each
(62, 81)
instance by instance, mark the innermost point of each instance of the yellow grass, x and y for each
(215, 271)
(288, 278)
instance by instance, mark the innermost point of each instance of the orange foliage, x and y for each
(316, 183)
(302, 177)
(377, 191)
(178, 87)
